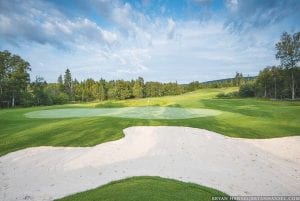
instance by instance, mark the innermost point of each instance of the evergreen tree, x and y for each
(68, 83)
(60, 83)
(238, 80)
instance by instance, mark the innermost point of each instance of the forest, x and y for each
(17, 89)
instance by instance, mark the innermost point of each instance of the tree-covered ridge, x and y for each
(237, 81)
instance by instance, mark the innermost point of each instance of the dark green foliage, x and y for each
(234, 94)
(247, 90)
(288, 51)
(138, 88)
(147, 188)
(60, 98)
(222, 95)
(110, 104)
(16, 89)
(68, 84)
(39, 93)
(89, 90)
(56, 94)
(153, 89)
(14, 79)
(238, 80)
(102, 90)
(60, 83)
(157, 89)
(279, 82)
(122, 90)
(192, 86)
(274, 82)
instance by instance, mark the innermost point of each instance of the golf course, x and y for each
(96, 123)
(243, 118)
(149, 100)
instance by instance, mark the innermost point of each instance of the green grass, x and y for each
(149, 112)
(190, 99)
(247, 118)
(148, 189)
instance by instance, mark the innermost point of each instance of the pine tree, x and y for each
(68, 83)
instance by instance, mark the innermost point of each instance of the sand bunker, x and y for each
(235, 166)
(126, 112)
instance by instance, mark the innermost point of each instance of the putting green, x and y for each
(126, 112)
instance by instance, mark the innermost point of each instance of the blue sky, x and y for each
(159, 40)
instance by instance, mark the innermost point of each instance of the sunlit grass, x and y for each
(247, 118)
(147, 188)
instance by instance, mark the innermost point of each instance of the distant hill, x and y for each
(228, 82)
(249, 78)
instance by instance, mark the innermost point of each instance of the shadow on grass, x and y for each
(110, 105)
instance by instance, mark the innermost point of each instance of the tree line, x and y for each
(90, 90)
(279, 82)
(17, 90)
(276, 82)
(237, 81)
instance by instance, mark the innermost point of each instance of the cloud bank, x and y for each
(159, 40)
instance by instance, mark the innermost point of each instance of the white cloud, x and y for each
(134, 44)
(171, 28)
(232, 5)
(44, 24)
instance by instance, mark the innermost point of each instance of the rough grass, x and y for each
(147, 188)
(247, 118)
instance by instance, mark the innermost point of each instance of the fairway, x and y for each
(82, 124)
(144, 100)
(128, 112)
(153, 152)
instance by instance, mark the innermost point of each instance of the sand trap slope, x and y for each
(234, 166)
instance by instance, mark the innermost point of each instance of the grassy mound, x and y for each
(147, 188)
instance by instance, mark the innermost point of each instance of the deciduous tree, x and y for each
(288, 52)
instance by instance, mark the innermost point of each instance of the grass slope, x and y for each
(147, 188)
(247, 118)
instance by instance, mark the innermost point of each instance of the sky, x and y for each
(171, 40)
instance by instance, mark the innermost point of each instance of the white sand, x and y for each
(235, 166)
